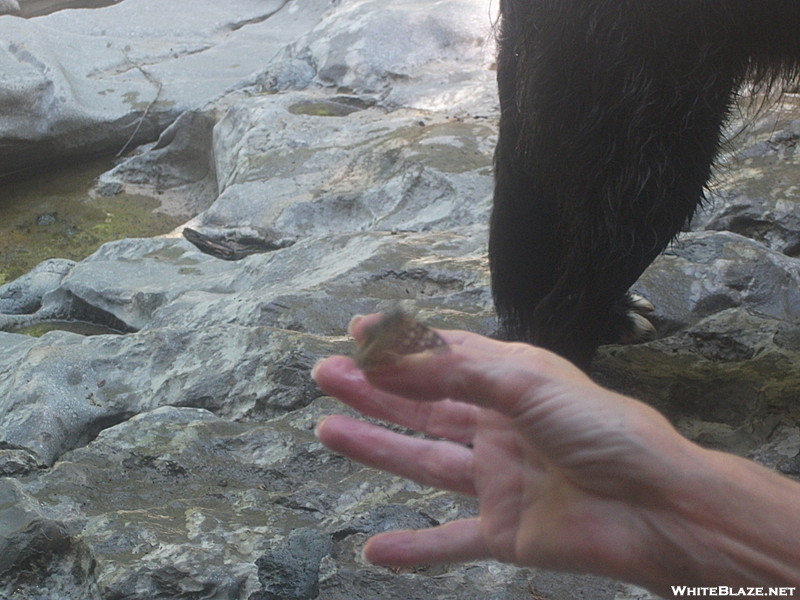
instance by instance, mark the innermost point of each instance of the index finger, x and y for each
(498, 375)
(360, 325)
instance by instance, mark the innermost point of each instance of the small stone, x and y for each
(47, 218)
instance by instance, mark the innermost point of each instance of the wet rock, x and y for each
(290, 570)
(24, 295)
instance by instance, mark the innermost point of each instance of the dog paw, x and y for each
(634, 326)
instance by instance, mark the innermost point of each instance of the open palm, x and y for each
(563, 470)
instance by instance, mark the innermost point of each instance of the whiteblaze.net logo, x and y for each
(725, 591)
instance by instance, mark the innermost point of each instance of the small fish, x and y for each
(393, 337)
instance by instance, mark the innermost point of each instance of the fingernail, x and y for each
(316, 428)
(315, 368)
(353, 322)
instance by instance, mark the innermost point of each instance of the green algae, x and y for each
(52, 215)
(321, 109)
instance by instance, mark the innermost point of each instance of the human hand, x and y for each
(568, 475)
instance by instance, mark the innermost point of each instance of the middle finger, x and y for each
(339, 377)
(439, 464)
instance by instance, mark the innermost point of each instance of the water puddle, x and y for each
(51, 215)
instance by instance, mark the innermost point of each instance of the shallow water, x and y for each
(51, 215)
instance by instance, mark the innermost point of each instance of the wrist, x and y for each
(726, 521)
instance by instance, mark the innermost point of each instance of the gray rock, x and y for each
(758, 198)
(703, 273)
(420, 170)
(479, 581)
(9, 7)
(416, 55)
(24, 295)
(87, 82)
(26, 531)
(773, 222)
(299, 156)
(290, 570)
(69, 387)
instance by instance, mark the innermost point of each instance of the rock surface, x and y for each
(9, 7)
(178, 460)
(78, 83)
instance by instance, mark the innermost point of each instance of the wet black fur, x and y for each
(611, 115)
